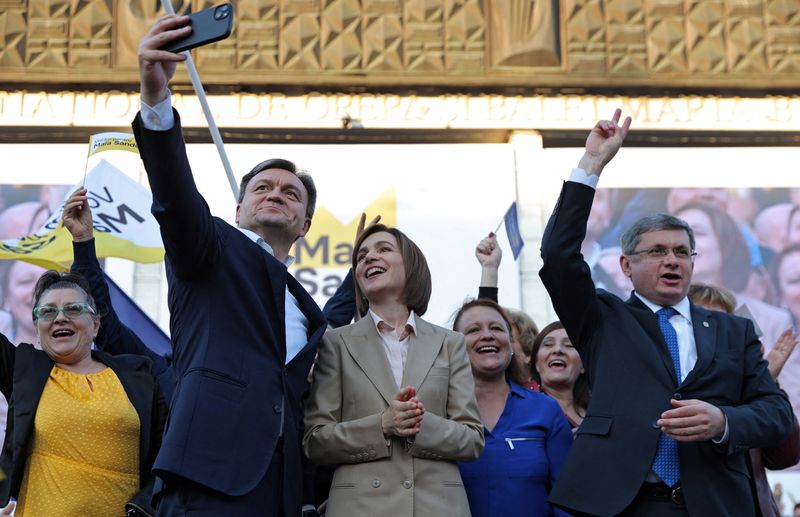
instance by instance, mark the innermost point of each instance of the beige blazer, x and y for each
(353, 385)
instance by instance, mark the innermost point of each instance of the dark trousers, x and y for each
(181, 497)
(647, 505)
(654, 508)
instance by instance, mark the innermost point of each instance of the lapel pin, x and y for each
(705, 324)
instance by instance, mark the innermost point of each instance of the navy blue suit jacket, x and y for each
(234, 392)
(340, 309)
(116, 338)
(632, 380)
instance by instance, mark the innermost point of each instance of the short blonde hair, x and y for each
(526, 329)
(705, 294)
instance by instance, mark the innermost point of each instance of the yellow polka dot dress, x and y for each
(84, 455)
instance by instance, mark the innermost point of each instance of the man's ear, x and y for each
(238, 207)
(625, 265)
(306, 227)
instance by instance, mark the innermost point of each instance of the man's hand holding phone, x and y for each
(159, 49)
(156, 66)
(208, 26)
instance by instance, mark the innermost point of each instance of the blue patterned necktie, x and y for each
(665, 464)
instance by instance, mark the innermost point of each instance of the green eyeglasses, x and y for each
(70, 310)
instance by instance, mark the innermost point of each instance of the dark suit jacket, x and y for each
(24, 371)
(116, 338)
(340, 309)
(234, 391)
(632, 382)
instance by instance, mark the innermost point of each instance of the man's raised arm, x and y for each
(185, 220)
(565, 274)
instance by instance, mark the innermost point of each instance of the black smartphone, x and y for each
(208, 26)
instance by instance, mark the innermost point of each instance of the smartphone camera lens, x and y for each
(222, 12)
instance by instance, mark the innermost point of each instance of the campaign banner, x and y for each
(112, 142)
(322, 257)
(123, 225)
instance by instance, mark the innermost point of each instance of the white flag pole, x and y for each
(212, 125)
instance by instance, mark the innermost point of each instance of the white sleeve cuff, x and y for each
(158, 117)
(580, 176)
(724, 438)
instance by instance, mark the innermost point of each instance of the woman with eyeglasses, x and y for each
(392, 403)
(83, 426)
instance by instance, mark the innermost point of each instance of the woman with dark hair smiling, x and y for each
(527, 436)
(559, 370)
(392, 402)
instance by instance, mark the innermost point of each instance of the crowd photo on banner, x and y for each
(747, 241)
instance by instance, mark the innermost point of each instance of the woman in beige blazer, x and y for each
(393, 400)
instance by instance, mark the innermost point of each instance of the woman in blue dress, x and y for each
(527, 435)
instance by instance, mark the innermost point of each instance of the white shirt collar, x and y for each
(253, 236)
(683, 307)
(411, 320)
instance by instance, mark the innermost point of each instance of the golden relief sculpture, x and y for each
(524, 33)
(133, 19)
(701, 43)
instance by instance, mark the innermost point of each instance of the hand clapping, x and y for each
(404, 415)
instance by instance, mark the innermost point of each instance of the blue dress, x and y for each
(521, 459)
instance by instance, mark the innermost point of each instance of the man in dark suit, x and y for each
(679, 393)
(244, 331)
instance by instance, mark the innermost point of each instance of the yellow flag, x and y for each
(112, 141)
(123, 225)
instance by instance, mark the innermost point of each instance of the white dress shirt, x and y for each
(395, 343)
(682, 323)
(296, 322)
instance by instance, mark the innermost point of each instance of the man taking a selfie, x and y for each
(244, 331)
